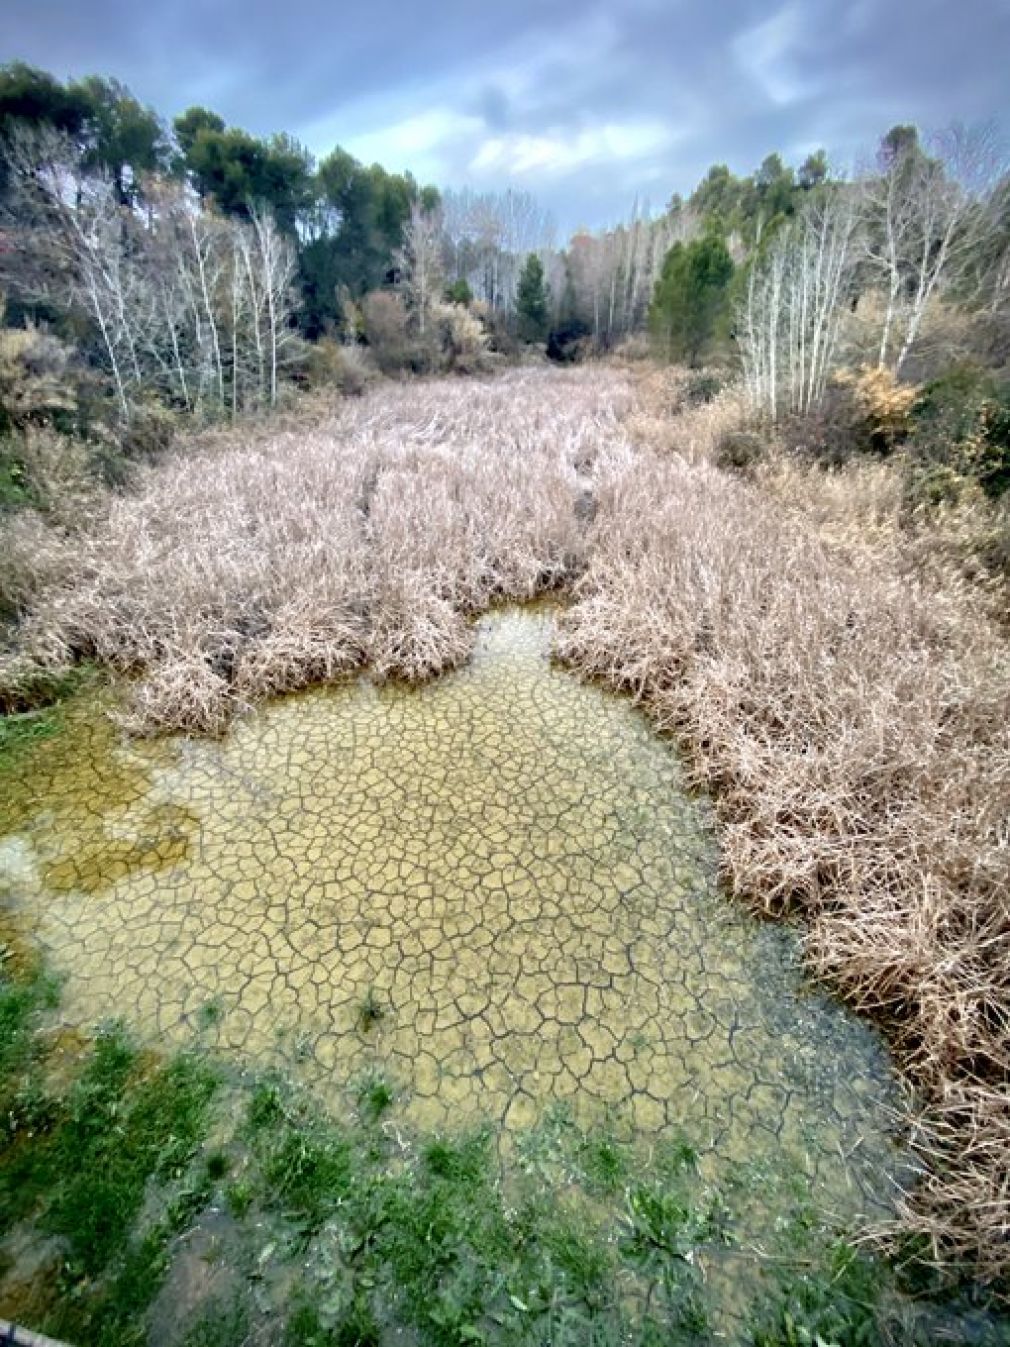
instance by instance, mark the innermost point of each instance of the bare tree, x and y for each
(923, 223)
(488, 235)
(790, 321)
(611, 274)
(180, 301)
(68, 233)
(270, 267)
(420, 263)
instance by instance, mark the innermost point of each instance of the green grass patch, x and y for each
(375, 1097)
(836, 1301)
(77, 1162)
(432, 1239)
(23, 1003)
(22, 731)
(31, 709)
(338, 1232)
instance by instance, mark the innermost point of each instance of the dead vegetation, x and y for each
(846, 705)
(248, 568)
(849, 713)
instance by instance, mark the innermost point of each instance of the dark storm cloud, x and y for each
(586, 105)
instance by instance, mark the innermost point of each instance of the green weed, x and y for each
(834, 1302)
(375, 1097)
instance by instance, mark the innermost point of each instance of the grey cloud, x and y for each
(732, 79)
(495, 108)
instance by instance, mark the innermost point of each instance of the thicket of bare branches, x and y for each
(924, 224)
(486, 236)
(792, 316)
(611, 275)
(179, 301)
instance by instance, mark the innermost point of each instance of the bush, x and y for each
(636, 346)
(462, 339)
(703, 387)
(739, 451)
(386, 321)
(343, 366)
(33, 556)
(36, 387)
(149, 432)
(458, 292)
(15, 489)
(42, 470)
(569, 343)
(961, 436)
(500, 337)
(864, 411)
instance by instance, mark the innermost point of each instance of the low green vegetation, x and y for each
(32, 709)
(959, 437)
(370, 1012)
(19, 732)
(78, 1161)
(333, 1231)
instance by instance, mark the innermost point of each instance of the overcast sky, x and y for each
(586, 104)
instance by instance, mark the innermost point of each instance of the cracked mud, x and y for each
(492, 889)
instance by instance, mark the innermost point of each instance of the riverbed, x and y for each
(494, 889)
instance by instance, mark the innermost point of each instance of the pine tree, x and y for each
(531, 301)
(690, 297)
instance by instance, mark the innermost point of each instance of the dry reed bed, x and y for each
(850, 720)
(245, 569)
(852, 726)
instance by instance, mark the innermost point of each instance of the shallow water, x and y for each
(494, 889)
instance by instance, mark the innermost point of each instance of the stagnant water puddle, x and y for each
(494, 889)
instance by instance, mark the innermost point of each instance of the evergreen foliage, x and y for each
(690, 297)
(531, 301)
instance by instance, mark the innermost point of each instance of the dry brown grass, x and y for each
(848, 711)
(663, 417)
(254, 564)
(851, 720)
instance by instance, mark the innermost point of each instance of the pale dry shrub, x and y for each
(636, 347)
(355, 370)
(366, 535)
(666, 418)
(33, 557)
(183, 690)
(960, 547)
(386, 325)
(35, 380)
(852, 724)
(463, 338)
(858, 504)
(58, 474)
(344, 367)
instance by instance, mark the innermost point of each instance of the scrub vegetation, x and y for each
(846, 707)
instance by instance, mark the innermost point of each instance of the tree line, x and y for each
(193, 260)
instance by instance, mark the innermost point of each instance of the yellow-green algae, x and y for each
(493, 888)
